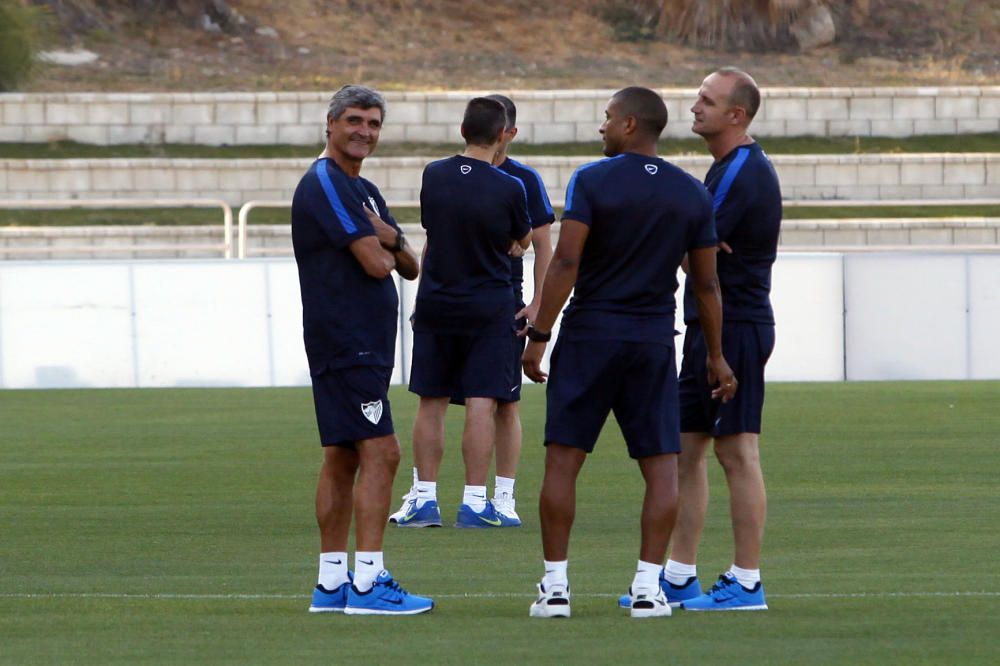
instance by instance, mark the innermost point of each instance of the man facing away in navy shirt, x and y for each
(628, 222)
(346, 248)
(747, 203)
(475, 215)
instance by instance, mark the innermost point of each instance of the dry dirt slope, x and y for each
(449, 44)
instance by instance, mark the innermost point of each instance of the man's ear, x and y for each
(739, 115)
(631, 124)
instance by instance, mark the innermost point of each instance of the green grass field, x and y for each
(175, 526)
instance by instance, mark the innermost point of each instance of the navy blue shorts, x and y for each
(588, 379)
(746, 346)
(467, 365)
(352, 404)
(515, 395)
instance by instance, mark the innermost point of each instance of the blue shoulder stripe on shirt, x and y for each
(732, 171)
(572, 180)
(520, 184)
(335, 203)
(541, 184)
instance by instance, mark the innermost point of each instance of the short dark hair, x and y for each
(484, 120)
(745, 93)
(358, 97)
(646, 106)
(509, 108)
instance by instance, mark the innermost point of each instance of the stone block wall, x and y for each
(546, 116)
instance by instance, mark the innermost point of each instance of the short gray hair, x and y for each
(359, 97)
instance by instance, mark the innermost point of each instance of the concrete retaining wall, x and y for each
(551, 116)
(870, 176)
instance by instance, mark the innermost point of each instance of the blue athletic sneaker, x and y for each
(428, 515)
(327, 601)
(676, 594)
(488, 517)
(728, 594)
(386, 597)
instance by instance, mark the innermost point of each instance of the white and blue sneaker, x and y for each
(410, 495)
(648, 602)
(676, 594)
(505, 510)
(385, 597)
(331, 601)
(551, 602)
(728, 594)
(488, 517)
(428, 515)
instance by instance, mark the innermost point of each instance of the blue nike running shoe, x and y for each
(728, 594)
(676, 594)
(428, 515)
(386, 597)
(327, 601)
(488, 517)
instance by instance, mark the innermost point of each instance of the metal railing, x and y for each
(59, 204)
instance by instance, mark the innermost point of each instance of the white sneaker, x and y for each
(410, 495)
(649, 602)
(505, 509)
(552, 602)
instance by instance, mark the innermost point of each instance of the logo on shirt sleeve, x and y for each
(651, 169)
(465, 169)
(372, 411)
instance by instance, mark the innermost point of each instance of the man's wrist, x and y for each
(536, 335)
(400, 242)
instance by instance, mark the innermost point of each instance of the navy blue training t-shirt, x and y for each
(644, 214)
(348, 317)
(747, 204)
(471, 211)
(539, 210)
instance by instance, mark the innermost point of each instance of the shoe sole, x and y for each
(760, 607)
(640, 613)
(541, 611)
(673, 604)
(318, 609)
(476, 526)
(426, 523)
(373, 611)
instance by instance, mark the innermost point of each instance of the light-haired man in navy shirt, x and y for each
(475, 215)
(747, 203)
(346, 247)
(628, 223)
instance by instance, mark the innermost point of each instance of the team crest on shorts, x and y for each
(465, 168)
(372, 411)
(651, 169)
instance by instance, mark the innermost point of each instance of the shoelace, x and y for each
(395, 587)
(721, 588)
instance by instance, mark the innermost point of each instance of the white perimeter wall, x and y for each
(218, 323)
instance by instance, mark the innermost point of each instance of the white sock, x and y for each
(555, 573)
(426, 491)
(475, 497)
(647, 575)
(504, 489)
(748, 578)
(416, 478)
(332, 570)
(679, 573)
(367, 566)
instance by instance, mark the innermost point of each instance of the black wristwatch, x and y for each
(538, 336)
(400, 241)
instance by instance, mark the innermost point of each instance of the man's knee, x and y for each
(738, 453)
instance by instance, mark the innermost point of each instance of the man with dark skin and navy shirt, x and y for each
(747, 204)
(628, 222)
(346, 248)
(463, 320)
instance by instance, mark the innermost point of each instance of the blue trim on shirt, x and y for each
(732, 171)
(572, 180)
(335, 203)
(541, 184)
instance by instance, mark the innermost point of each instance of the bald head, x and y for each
(744, 92)
(645, 106)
